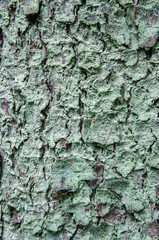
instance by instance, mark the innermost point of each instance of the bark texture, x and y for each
(79, 122)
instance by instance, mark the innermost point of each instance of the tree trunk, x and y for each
(79, 119)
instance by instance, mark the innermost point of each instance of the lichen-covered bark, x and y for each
(79, 122)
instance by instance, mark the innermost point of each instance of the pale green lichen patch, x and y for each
(79, 112)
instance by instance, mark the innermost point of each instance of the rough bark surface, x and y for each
(79, 122)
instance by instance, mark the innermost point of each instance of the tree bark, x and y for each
(79, 119)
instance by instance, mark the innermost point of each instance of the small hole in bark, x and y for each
(68, 30)
(83, 2)
(12, 11)
(32, 18)
(125, 45)
(149, 54)
(1, 41)
(52, 14)
(1, 38)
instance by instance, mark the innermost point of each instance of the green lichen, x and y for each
(79, 120)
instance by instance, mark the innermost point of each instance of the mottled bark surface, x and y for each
(79, 122)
